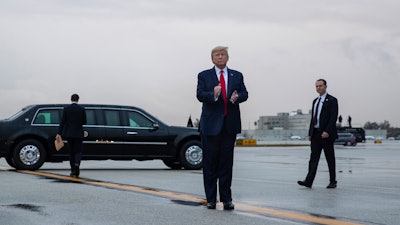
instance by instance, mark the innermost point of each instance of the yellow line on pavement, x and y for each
(293, 215)
(191, 198)
(120, 186)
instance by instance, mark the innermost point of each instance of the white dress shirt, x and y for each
(218, 72)
(319, 107)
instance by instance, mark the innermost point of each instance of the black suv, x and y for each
(112, 132)
(346, 139)
(357, 131)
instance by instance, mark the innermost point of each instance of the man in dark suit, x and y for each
(71, 128)
(322, 134)
(220, 89)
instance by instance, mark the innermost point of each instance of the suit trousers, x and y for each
(317, 144)
(217, 165)
(75, 151)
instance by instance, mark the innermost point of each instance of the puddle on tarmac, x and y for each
(29, 207)
(189, 203)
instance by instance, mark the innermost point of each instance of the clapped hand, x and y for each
(217, 91)
(234, 97)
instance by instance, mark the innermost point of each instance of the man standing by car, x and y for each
(322, 134)
(220, 89)
(71, 127)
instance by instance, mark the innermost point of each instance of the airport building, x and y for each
(294, 120)
(282, 126)
(288, 126)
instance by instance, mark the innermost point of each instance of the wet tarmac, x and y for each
(264, 190)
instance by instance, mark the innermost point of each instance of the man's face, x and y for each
(220, 58)
(320, 87)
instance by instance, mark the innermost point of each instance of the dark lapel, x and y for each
(230, 81)
(213, 76)
(325, 103)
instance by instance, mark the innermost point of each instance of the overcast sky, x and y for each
(148, 53)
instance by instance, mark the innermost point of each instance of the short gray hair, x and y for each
(219, 48)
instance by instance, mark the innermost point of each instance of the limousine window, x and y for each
(47, 116)
(138, 120)
(90, 117)
(112, 117)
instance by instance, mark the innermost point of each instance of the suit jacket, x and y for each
(73, 118)
(212, 116)
(327, 117)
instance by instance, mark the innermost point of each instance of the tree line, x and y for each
(385, 125)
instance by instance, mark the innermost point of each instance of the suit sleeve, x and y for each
(243, 95)
(204, 91)
(311, 124)
(84, 117)
(62, 123)
(333, 110)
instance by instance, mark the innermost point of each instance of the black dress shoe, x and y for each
(77, 171)
(229, 206)
(73, 173)
(304, 183)
(332, 185)
(211, 205)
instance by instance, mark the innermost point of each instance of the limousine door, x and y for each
(94, 134)
(146, 141)
(142, 137)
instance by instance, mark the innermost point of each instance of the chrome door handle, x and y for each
(131, 132)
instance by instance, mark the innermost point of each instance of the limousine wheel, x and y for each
(29, 155)
(191, 155)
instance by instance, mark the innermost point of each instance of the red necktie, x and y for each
(315, 117)
(223, 90)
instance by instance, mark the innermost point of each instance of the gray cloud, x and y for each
(148, 53)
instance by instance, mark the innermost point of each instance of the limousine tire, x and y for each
(172, 164)
(29, 155)
(191, 155)
(10, 161)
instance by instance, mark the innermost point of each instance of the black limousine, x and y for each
(112, 132)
